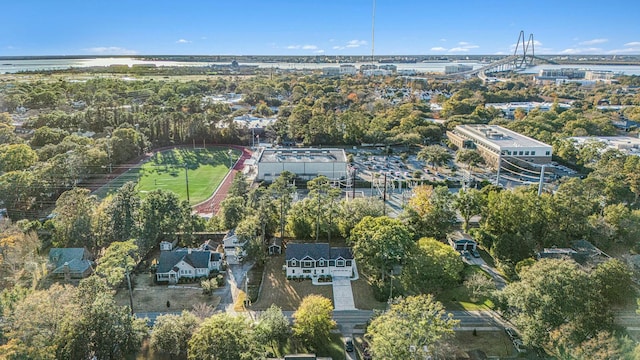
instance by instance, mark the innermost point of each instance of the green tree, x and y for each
(161, 214)
(103, 330)
(471, 158)
(232, 210)
(282, 192)
(223, 337)
(123, 212)
(171, 333)
(479, 285)
(555, 293)
(413, 327)
(469, 203)
(72, 222)
(379, 244)
(119, 258)
(34, 324)
(16, 157)
(435, 155)
(354, 210)
(313, 320)
(45, 135)
(430, 211)
(614, 282)
(273, 327)
(431, 267)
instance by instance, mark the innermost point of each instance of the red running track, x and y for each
(212, 204)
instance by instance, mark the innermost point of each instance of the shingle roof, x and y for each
(197, 259)
(316, 251)
(75, 258)
(343, 252)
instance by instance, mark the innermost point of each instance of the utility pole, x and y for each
(186, 177)
(130, 291)
(541, 181)
(318, 220)
(499, 165)
(384, 196)
(353, 184)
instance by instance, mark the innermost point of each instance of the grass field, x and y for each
(166, 170)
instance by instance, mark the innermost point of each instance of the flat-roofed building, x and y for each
(492, 141)
(457, 68)
(306, 163)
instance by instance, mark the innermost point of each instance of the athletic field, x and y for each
(202, 169)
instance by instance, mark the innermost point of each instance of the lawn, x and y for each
(148, 297)
(363, 295)
(492, 343)
(457, 298)
(287, 294)
(334, 348)
(169, 170)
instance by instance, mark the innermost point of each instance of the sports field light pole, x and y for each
(186, 178)
(230, 159)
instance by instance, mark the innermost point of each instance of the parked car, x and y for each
(348, 345)
(512, 333)
(475, 253)
(517, 343)
(466, 254)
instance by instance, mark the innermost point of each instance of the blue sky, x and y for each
(309, 27)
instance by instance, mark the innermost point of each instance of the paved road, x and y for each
(236, 275)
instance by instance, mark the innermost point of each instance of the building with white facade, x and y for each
(457, 68)
(306, 163)
(494, 141)
(626, 144)
(509, 109)
(347, 69)
(187, 263)
(318, 259)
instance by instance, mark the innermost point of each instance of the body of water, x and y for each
(14, 66)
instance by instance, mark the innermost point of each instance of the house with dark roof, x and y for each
(187, 263)
(316, 259)
(72, 262)
(234, 248)
(461, 241)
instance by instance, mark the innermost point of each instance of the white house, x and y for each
(316, 259)
(462, 241)
(187, 263)
(234, 249)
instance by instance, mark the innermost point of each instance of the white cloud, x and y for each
(356, 43)
(303, 47)
(351, 44)
(111, 50)
(443, 40)
(463, 43)
(458, 49)
(576, 51)
(319, 51)
(183, 41)
(633, 43)
(593, 42)
(627, 50)
(438, 48)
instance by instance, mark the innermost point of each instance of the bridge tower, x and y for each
(528, 55)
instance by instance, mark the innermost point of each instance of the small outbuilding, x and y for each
(275, 248)
(460, 241)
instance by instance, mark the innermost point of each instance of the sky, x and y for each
(311, 27)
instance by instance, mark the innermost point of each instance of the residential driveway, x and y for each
(342, 294)
(497, 278)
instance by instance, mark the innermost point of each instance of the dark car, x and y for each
(348, 345)
(512, 333)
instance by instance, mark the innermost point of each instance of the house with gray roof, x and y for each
(187, 263)
(316, 259)
(72, 262)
